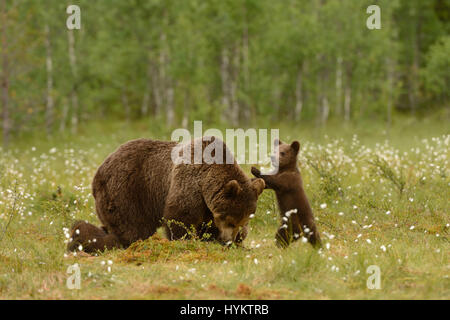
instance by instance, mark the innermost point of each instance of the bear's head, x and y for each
(285, 155)
(233, 206)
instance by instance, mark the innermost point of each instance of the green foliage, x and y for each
(386, 171)
(436, 73)
(224, 60)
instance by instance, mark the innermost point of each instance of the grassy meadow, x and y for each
(380, 197)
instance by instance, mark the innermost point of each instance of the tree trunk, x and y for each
(224, 76)
(162, 83)
(298, 94)
(325, 105)
(347, 101)
(65, 113)
(339, 86)
(73, 94)
(126, 105)
(348, 92)
(413, 76)
(390, 89)
(5, 79)
(325, 109)
(185, 121)
(156, 90)
(170, 106)
(49, 65)
(276, 97)
(235, 108)
(246, 67)
(148, 84)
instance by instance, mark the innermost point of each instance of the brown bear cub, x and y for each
(287, 183)
(140, 187)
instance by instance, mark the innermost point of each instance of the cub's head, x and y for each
(233, 207)
(286, 154)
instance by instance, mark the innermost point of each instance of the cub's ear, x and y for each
(295, 146)
(232, 188)
(259, 185)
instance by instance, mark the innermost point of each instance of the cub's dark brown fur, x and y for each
(139, 188)
(288, 186)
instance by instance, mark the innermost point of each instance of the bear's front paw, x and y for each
(256, 172)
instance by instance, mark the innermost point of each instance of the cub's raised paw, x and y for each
(256, 172)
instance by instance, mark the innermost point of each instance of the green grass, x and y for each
(353, 175)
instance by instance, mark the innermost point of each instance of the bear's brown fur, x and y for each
(138, 188)
(288, 186)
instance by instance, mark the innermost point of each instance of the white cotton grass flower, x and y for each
(369, 241)
(284, 226)
(255, 261)
(383, 248)
(252, 216)
(388, 212)
(288, 213)
(77, 231)
(323, 206)
(411, 228)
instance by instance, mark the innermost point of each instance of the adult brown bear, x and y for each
(139, 188)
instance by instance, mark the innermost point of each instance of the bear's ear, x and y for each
(232, 188)
(258, 185)
(295, 146)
